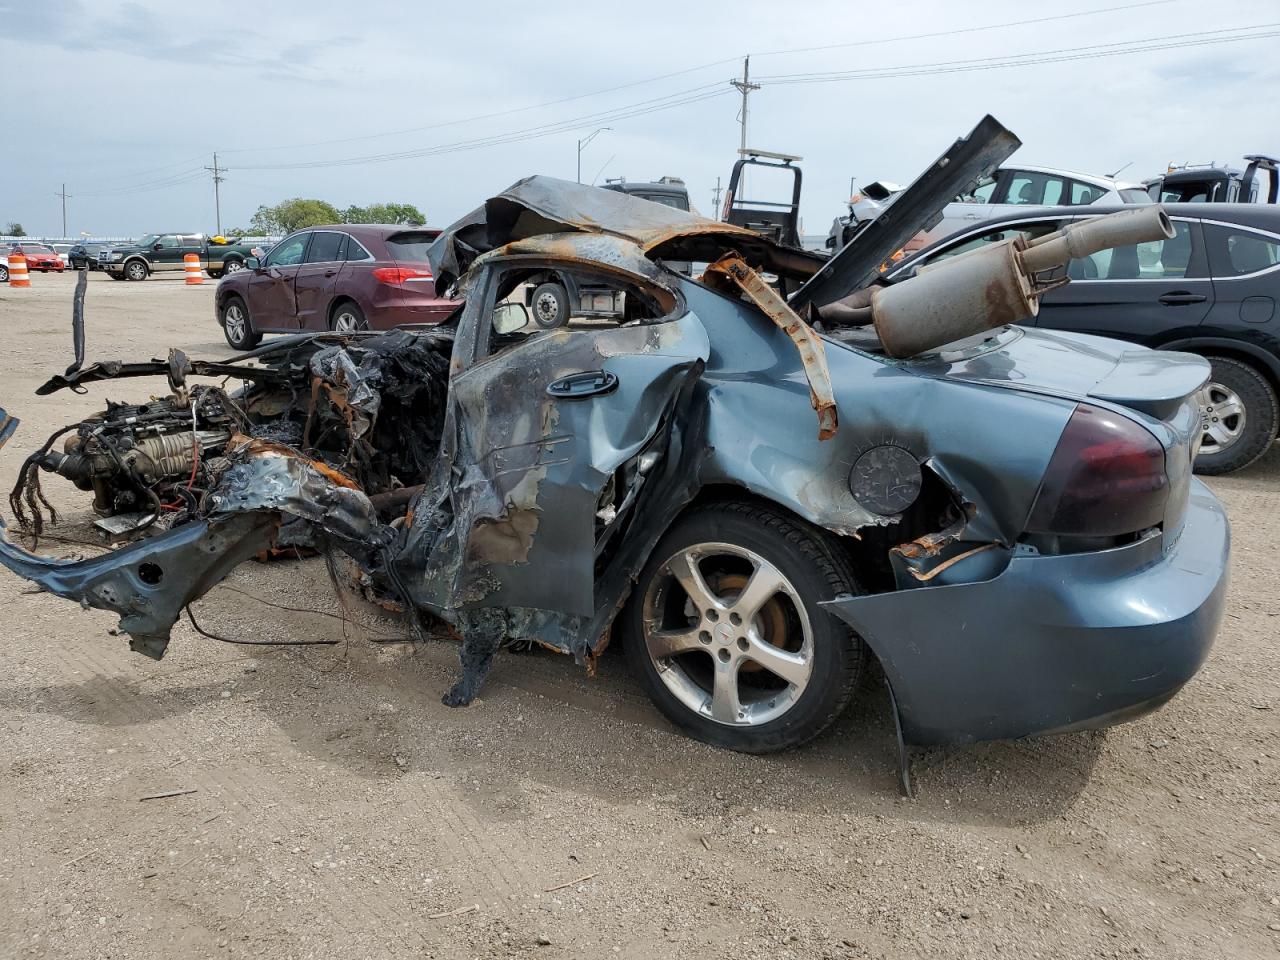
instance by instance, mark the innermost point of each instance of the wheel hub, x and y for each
(1222, 417)
(733, 646)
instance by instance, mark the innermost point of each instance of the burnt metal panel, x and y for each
(916, 208)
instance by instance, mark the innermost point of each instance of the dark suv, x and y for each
(1210, 290)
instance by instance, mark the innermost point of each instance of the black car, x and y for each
(1209, 290)
(86, 253)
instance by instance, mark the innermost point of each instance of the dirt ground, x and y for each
(339, 810)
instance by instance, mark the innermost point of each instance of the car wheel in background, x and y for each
(1239, 415)
(115, 276)
(232, 266)
(550, 305)
(348, 318)
(215, 274)
(236, 325)
(4, 272)
(136, 270)
(726, 635)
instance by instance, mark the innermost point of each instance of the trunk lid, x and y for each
(1157, 388)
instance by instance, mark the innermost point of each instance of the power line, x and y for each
(695, 69)
(1094, 51)
(963, 30)
(642, 108)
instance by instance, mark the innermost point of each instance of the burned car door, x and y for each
(555, 431)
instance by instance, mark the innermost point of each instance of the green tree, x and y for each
(405, 213)
(14, 229)
(290, 215)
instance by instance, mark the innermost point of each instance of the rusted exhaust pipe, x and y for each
(1086, 237)
(996, 284)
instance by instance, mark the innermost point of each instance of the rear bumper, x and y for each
(1053, 644)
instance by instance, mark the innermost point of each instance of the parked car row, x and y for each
(40, 257)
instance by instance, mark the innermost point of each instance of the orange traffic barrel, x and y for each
(191, 265)
(18, 276)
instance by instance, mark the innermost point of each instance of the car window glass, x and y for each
(355, 251)
(1157, 260)
(981, 193)
(1235, 252)
(548, 304)
(168, 242)
(666, 199)
(1134, 195)
(1033, 188)
(1083, 193)
(324, 247)
(411, 245)
(1028, 230)
(288, 252)
(195, 241)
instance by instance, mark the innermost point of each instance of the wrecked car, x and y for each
(759, 481)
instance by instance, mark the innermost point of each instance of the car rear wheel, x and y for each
(237, 327)
(215, 274)
(1239, 416)
(348, 318)
(550, 306)
(4, 272)
(136, 270)
(725, 631)
(232, 266)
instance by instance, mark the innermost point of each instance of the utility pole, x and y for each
(217, 198)
(745, 86)
(64, 195)
(716, 201)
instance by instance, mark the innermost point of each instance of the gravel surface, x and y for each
(332, 807)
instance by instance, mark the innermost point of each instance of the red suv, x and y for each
(345, 277)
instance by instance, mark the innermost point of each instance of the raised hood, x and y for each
(540, 205)
(919, 207)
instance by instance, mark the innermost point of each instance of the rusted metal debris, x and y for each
(813, 355)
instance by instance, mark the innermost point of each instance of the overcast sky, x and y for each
(125, 102)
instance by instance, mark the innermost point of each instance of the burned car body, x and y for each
(1007, 523)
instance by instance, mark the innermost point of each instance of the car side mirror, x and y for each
(156, 246)
(253, 263)
(509, 317)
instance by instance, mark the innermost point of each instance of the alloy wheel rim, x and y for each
(710, 619)
(548, 308)
(346, 322)
(1222, 417)
(235, 323)
(136, 271)
(232, 266)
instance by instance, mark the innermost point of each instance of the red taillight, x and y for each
(1106, 478)
(398, 276)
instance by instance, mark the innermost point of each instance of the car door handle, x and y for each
(1179, 298)
(579, 386)
(330, 273)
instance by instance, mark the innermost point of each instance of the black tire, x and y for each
(347, 317)
(115, 276)
(4, 273)
(215, 274)
(136, 270)
(1235, 380)
(231, 265)
(238, 330)
(550, 305)
(812, 568)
